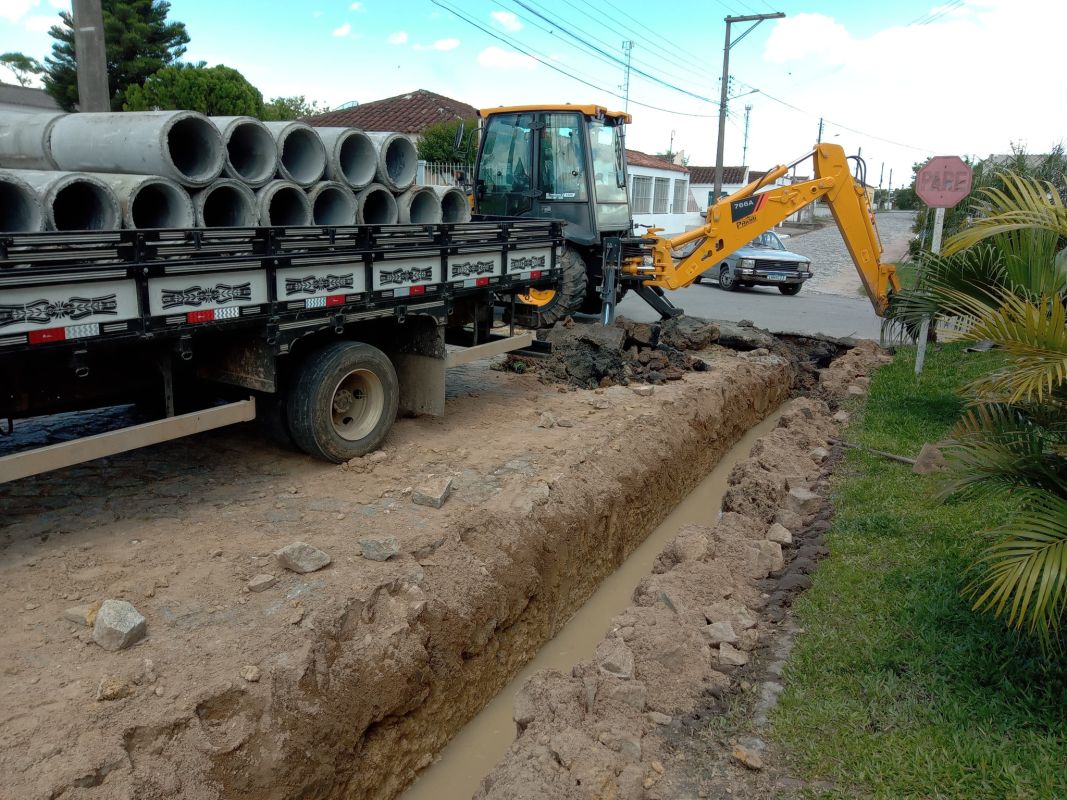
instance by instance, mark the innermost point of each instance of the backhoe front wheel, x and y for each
(343, 401)
(565, 298)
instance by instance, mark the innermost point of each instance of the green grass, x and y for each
(897, 690)
(906, 271)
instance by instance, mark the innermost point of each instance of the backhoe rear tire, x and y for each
(343, 401)
(570, 291)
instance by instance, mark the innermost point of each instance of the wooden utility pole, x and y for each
(91, 56)
(755, 19)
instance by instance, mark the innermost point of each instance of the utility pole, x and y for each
(889, 197)
(670, 149)
(755, 19)
(744, 149)
(91, 57)
(819, 139)
(627, 48)
(881, 176)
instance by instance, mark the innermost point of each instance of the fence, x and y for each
(432, 173)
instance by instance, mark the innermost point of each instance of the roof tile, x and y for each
(411, 113)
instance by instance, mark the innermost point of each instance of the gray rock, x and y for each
(856, 391)
(614, 658)
(719, 632)
(432, 493)
(731, 656)
(118, 625)
(929, 460)
(564, 423)
(803, 501)
(546, 421)
(780, 534)
(841, 417)
(301, 557)
(261, 582)
(631, 693)
(643, 390)
(744, 337)
(794, 581)
(612, 338)
(660, 718)
(379, 548)
(819, 454)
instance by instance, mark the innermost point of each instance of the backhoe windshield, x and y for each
(609, 175)
(562, 160)
(504, 178)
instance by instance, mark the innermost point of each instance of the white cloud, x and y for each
(356, 7)
(506, 20)
(316, 14)
(62, 5)
(40, 23)
(810, 35)
(14, 10)
(444, 45)
(400, 37)
(344, 30)
(494, 56)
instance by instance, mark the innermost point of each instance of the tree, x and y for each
(437, 143)
(287, 108)
(139, 42)
(216, 91)
(21, 66)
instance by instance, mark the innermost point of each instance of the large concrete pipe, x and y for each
(419, 205)
(227, 203)
(251, 152)
(375, 205)
(283, 203)
(74, 201)
(398, 160)
(20, 208)
(455, 207)
(150, 201)
(332, 203)
(351, 156)
(24, 138)
(181, 145)
(301, 153)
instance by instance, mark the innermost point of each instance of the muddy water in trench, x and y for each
(486, 738)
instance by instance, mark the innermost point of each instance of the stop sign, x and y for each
(943, 182)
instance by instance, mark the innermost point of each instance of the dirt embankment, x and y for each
(342, 682)
(702, 627)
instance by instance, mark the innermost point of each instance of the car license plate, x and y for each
(777, 276)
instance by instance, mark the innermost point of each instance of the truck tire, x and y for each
(343, 401)
(569, 291)
(727, 282)
(789, 288)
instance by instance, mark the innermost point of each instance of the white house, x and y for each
(703, 183)
(659, 193)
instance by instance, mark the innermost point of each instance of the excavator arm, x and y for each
(737, 219)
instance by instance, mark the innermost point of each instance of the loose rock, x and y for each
(615, 658)
(780, 534)
(261, 582)
(929, 460)
(433, 493)
(719, 632)
(643, 390)
(731, 656)
(301, 557)
(118, 625)
(379, 548)
(112, 688)
(747, 757)
(250, 673)
(80, 615)
(819, 454)
(803, 501)
(546, 421)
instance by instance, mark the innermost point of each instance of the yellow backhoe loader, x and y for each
(568, 162)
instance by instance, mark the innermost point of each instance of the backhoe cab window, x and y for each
(504, 177)
(562, 164)
(608, 167)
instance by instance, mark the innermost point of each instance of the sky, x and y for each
(897, 82)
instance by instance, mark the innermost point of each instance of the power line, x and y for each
(643, 26)
(541, 60)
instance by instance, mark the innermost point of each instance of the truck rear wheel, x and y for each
(550, 306)
(343, 401)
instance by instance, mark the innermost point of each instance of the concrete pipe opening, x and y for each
(195, 149)
(159, 204)
(454, 205)
(20, 210)
(419, 206)
(302, 158)
(398, 160)
(332, 203)
(357, 159)
(80, 203)
(376, 205)
(284, 204)
(227, 204)
(252, 155)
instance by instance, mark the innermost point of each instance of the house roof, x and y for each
(26, 97)
(638, 159)
(413, 112)
(706, 175)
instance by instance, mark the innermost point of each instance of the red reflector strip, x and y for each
(535, 274)
(200, 316)
(335, 300)
(46, 335)
(481, 282)
(418, 290)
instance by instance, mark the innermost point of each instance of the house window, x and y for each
(659, 199)
(642, 194)
(681, 187)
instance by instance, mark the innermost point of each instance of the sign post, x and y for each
(942, 183)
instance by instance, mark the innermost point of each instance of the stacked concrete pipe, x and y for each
(74, 201)
(284, 204)
(20, 208)
(332, 203)
(25, 137)
(227, 203)
(375, 205)
(398, 160)
(181, 145)
(351, 156)
(455, 207)
(301, 153)
(251, 151)
(418, 205)
(150, 201)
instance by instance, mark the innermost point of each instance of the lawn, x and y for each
(896, 690)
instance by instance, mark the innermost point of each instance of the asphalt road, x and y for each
(807, 312)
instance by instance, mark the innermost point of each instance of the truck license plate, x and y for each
(777, 276)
